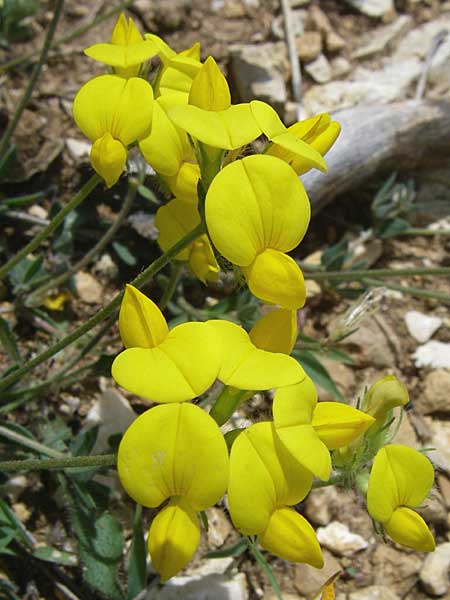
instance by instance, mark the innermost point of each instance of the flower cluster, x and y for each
(252, 211)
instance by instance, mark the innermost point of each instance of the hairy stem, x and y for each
(69, 462)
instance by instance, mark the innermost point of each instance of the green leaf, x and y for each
(34, 268)
(84, 442)
(137, 568)
(318, 373)
(148, 194)
(266, 568)
(8, 341)
(392, 228)
(124, 254)
(53, 555)
(108, 541)
(235, 550)
(339, 356)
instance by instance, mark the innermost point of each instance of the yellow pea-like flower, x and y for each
(265, 480)
(174, 220)
(174, 452)
(400, 480)
(162, 365)
(127, 50)
(113, 112)
(310, 429)
(384, 395)
(318, 133)
(257, 210)
(276, 331)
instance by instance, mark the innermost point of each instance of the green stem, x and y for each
(424, 231)
(35, 297)
(358, 275)
(54, 223)
(413, 291)
(227, 402)
(169, 291)
(34, 77)
(335, 480)
(70, 462)
(105, 312)
(66, 38)
(18, 438)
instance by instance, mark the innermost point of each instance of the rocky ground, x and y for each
(352, 51)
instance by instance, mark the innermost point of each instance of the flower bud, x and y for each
(384, 395)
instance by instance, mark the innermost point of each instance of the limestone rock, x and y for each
(433, 354)
(374, 347)
(319, 69)
(219, 527)
(373, 8)
(382, 38)
(257, 71)
(340, 67)
(334, 42)
(308, 580)
(436, 392)
(374, 592)
(395, 569)
(420, 326)
(309, 45)
(339, 539)
(88, 288)
(210, 587)
(319, 505)
(434, 572)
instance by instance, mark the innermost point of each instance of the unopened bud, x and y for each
(384, 395)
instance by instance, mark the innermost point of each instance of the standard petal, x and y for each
(407, 527)
(294, 404)
(174, 450)
(182, 367)
(246, 367)
(400, 476)
(307, 448)
(112, 104)
(276, 278)
(338, 424)
(267, 119)
(253, 204)
(228, 129)
(262, 475)
(209, 89)
(290, 536)
(276, 331)
(108, 157)
(141, 323)
(174, 220)
(173, 538)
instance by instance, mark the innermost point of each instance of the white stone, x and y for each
(78, 148)
(339, 539)
(319, 69)
(381, 38)
(434, 572)
(144, 224)
(88, 288)
(420, 326)
(433, 354)
(211, 587)
(113, 414)
(372, 8)
(217, 566)
(374, 592)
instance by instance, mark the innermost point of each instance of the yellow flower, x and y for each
(309, 429)
(318, 133)
(113, 112)
(163, 365)
(384, 395)
(265, 481)
(174, 220)
(276, 331)
(127, 50)
(256, 211)
(175, 452)
(401, 479)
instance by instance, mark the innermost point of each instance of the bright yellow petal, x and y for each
(202, 261)
(122, 56)
(306, 447)
(141, 323)
(407, 527)
(111, 104)
(276, 278)
(294, 404)
(262, 475)
(184, 184)
(174, 450)
(253, 204)
(276, 331)
(309, 129)
(338, 424)
(228, 129)
(246, 367)
(384, 395)
(400, 476)
(125, 32)
(174, 220)
(267, 119)
(182, 367)
(209, 89)
(108, 157)
(164, 149)
(299, 152)
(290, 536)
(173, 538)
